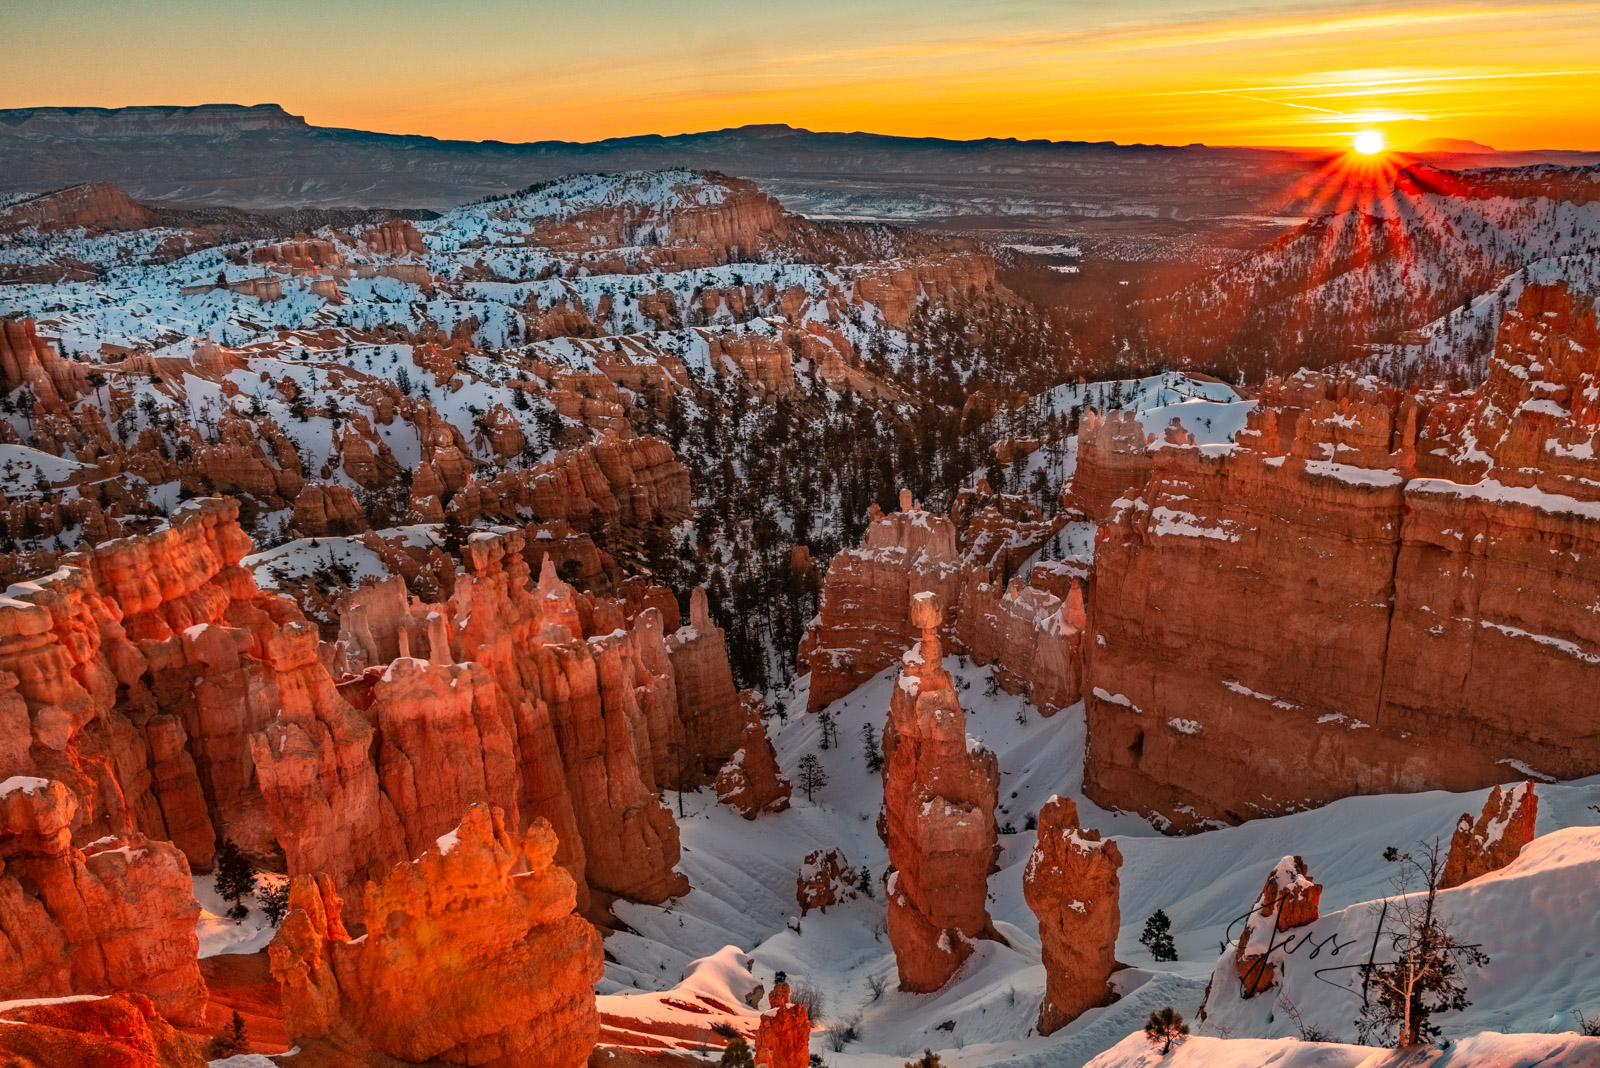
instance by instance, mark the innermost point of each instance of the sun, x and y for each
(1369, 142)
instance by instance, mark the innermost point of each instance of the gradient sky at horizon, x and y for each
(1513, 75)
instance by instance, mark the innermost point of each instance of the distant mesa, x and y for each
(1451, 144)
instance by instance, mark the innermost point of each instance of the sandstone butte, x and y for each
(177, 701)
(118, 914)
(749, 781)
(1030, 634)
(1503, 828)
(1071, 885)
(1289, 899)
(465, 960)
(939, 793)
(1430, 559)
(783, 1037)
(118, 1031)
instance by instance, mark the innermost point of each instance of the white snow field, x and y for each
(1537, 921)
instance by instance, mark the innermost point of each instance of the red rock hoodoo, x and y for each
(825, 878)
(116, 915)
(939, 793)
(783, 1038)
(465, 960)
(1071, 885)
(749, 781)
(1504, 827)
(1288, 900)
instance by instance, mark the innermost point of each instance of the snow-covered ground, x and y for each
(743, 876)
(219, 934)
(1479, 1051)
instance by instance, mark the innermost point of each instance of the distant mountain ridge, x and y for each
(263, 157)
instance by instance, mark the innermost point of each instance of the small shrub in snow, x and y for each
(929, 1059)
(1424, 977)
(736, 1054)
(1164, 1028)
(874, 755)
(812, 999)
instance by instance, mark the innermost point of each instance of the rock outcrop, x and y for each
(825, 878)
(465, 959)
(116, 916)
(750, 781)
(1029, 634)
(1503, 828)
(178, 701)
(1071, 885)
(1289, 899)
(119, 1031)
(783, 1037)
(714, 719)
(939, 795)
(1426, 607)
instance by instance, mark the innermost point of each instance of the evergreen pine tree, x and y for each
(812, 776)
(234, 879)
(232, 1039)
(1157, 937)
(869, 738)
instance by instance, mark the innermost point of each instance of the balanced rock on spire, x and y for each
(939, 794)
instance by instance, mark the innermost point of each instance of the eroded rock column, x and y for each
(939, 795)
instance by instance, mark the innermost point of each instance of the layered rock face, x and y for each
(1030, 634)
(714, 719)
(124, 1031)
(895, 288)
(939, 795)
(1503, 828)
(1071, 885)
(750, 781)
(117, 915)
(1421, 609)
(465, 959)
(1113, 462)
(1289, 899)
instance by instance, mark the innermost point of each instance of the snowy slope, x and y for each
(743, 876)
(1479, 1051)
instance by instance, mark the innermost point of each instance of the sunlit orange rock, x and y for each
(1288, 900)
(465, 959)
(750, 781)
(939, 795)
(119, 1031)
(1503, 828)
(118, 915)
(1071, 885)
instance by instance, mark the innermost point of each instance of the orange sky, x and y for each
(1514, 75)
